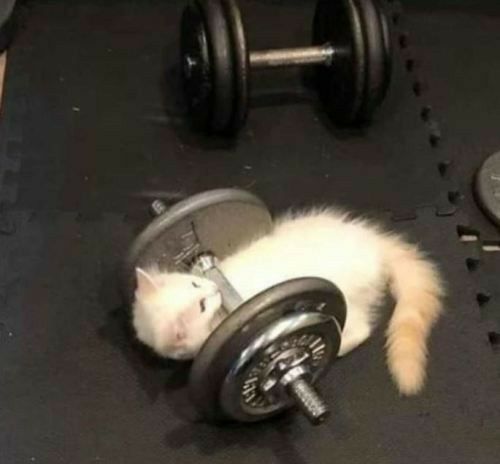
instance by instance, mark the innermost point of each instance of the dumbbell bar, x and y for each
(294, 380)
(351, 47)
(305, 56)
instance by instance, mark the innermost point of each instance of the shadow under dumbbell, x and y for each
(280, 88)
(282, 2)
(302, 89)
(282, 98)
(338, 132)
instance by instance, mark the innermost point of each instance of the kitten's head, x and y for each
(174, 313)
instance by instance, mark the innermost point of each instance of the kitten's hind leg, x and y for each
(354, 334)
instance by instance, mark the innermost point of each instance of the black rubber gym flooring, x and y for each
(93, 128)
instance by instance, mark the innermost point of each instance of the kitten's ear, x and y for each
(145, 283)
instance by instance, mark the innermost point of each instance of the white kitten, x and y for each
(353, 254)
(174, 313)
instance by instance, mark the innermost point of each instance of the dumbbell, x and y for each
(351, 50)
(268, 352)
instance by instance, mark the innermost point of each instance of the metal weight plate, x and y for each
(241, 64)
(298, 311)
(209, 22)
(487, 187)
(341, 86)
(378, 57)
(218, 221)
(251, 390)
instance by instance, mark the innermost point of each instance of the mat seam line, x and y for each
(454, 196)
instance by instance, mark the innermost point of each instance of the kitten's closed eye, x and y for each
(203, 305)
(207, 286)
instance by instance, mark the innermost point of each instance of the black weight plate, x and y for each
(341, 86)
(207, 65)
(196, 67)
(387, 42)
(221, 58)
(377, 60)
(218, 221)
(241, 65)
(7, 23)
(225, 344)
(6, 9)
(487, 187)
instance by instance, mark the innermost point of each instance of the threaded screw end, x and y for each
(309, 401)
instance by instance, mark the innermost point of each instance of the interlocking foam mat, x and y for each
(93, 128)
(462, 88)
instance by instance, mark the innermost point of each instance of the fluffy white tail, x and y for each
(418, 289)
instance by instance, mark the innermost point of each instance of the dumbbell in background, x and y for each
(351, 50)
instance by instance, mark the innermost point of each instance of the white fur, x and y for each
(174, 313)
(354, 254)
